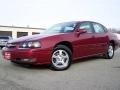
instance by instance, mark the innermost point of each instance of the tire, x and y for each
(61, 58)
(110, 52)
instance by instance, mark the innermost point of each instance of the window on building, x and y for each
(33, 33)
(20, 34)
(5, 33)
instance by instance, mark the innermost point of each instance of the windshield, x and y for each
(61, 28)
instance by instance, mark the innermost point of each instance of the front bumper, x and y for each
(33, 56)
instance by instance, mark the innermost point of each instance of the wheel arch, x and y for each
(66, 43)
(113, 43)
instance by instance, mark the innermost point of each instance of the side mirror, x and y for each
(80, 31)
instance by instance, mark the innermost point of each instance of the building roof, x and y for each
(21, 27)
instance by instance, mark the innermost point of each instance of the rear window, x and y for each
(4, 37)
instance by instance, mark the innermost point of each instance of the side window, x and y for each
(70, 27)
(86, 26)
(98, 28)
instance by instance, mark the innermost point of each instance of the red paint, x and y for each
(83, 45)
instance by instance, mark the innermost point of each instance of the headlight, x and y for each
(30, 44)
(34, 44)
(24, 45)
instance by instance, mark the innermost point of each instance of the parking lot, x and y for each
(88, 74)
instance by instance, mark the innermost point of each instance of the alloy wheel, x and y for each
(110, 51)
(60, 58)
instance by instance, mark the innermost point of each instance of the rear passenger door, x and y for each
(101, 38)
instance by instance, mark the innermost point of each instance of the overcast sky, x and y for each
(44, 13)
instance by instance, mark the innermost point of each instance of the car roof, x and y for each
(80, 22)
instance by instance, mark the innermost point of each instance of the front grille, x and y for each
(11, 45)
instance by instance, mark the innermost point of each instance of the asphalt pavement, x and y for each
(93, 73)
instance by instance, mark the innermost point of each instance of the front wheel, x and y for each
(61, 57)
(110, 52)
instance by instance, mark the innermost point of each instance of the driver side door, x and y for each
(85, 41)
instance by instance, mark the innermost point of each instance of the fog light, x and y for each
(25, 60)
(29, 60)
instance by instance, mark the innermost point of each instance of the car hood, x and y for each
(31, 38)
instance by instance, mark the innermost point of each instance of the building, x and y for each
(16, 32)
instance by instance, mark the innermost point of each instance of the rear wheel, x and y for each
(61, 58)
(110, 52)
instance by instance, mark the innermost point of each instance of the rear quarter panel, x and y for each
(113, 37)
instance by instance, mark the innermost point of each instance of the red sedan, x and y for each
(61, 44)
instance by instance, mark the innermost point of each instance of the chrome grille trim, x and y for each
(10, 45)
